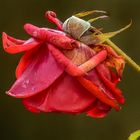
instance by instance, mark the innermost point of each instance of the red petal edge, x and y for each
(65, 95)
(99, 111)
(39, 75)
(12, 45)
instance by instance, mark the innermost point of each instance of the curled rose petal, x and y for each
(65, 95)
(100, 110)
(12, 45)
(39, 74)
(54, 37)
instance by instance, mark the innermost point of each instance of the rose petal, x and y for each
(116, 92)
(65, 95)
(55, 37)
(39, 74)
(25, 60)
(99, 111)
(12, 45)
(94, 77)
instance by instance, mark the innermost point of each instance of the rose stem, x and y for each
(127, 58)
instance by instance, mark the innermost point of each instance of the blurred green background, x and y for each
(18, 124)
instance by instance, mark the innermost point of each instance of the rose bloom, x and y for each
(58, 73)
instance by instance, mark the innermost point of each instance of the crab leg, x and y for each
(71, 68)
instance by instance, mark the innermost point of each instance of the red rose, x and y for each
(57, 73)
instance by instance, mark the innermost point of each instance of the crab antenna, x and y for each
(94, 19)
(83, 14)
(104, 36)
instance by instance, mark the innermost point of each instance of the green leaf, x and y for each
(135, 135)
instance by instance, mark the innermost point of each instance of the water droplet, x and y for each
(33, 88)
(25, 83)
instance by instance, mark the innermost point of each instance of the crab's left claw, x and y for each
(12, 45)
